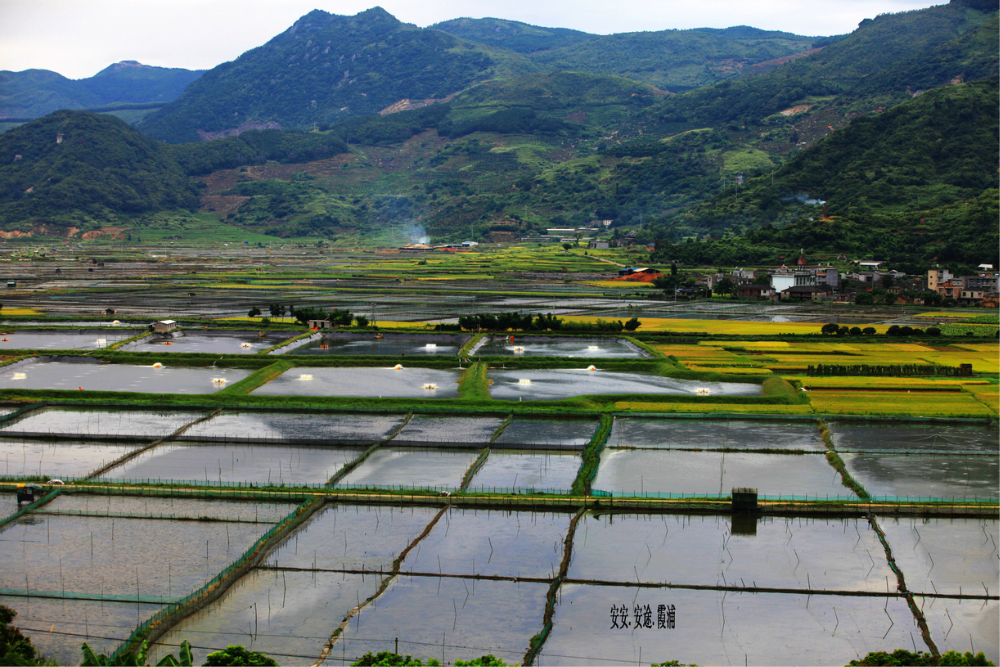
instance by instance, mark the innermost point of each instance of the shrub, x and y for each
(894, 330)
(830, 329)
(933, 331)
(856, 331)
(238, 655)
(868, 331)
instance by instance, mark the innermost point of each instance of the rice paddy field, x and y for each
(447, 497)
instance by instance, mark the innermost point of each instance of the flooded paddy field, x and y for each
(353, 428)
(57, 628)
(120, 377)
(627, 472)
(389, 345)
(385, 382)
(61, 458)
(946, 556)
(725, 628)
(139, 423)
(527, 469)
(715, 434)
(536, 346)
(767, 552)
(952, 476)
(412, 467)
(575, 433)
(70, 339)
(217, 342)
(235, 463)
(963, 625)
(191, 508)
(492, 543)
(457, 620)
(854, 437)
(49, 552)
(352, 537)
(557, 384)
(288, 615)
(460, 431)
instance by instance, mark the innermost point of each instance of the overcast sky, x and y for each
(78, 38)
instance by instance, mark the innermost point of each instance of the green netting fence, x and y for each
(143, 628)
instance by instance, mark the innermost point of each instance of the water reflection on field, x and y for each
(556, 384)
(387, 382)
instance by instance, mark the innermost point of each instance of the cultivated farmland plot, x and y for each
(120, 377)
(59, 458)
(717, 434)
(230, 342)
(266, 426)
(388, 382)
(560, 383)
(135, 423)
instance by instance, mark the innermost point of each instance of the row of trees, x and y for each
(336, 316)
(895, 330)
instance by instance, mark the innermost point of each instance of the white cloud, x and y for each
(77, 38)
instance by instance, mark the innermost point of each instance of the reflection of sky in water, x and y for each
(322, 427)
(576, 432)
(103, 422)
(57, 340)
(227, 464)
(714, 434)
(120, 377)
(849, 436)
(527, 469)
(367, 382)
(778, 552)
(57, 459)
(760, 628)
(103, 625)
(606, 347)
(926, 475)
(386, 346)
(565, 382)
(670, 471)
(947, 556)
(467, 430)
(409, 466)
(230, 344)
(961, 625)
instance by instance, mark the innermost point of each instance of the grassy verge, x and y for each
(128, 341)
(464, 352)
(255, 380)
(284, 343)
(473, 385)
(592, 457)
(838, 463)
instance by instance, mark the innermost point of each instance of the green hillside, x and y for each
(675, 59)
(326, 68)
(34, 93)
(914, 183)
(888, 47)
(72, 166)
(512, 35)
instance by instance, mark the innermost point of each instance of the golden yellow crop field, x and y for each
(21, 311)
(731, 370)
(653, 406)
(917, 404)
(851, 381)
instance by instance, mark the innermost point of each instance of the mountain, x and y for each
(890, 48)
(676, 59)
(326, 68)
(34, 93)
(914, 183)
(71, 166)
(512, 35)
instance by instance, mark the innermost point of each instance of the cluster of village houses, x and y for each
(826, 283)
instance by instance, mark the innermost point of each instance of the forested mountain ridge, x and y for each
(34, 93)
(327, 68)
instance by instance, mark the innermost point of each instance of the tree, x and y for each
(933, 331)
(238, 655)
(253, 312)
(855, 331)
(894, 330)
(887, 281)
(390, 659)
(277, 310)
(890, 299)
(868, 331)
(864, 299)
(361, 320)
(15, 648)
(632, 324)
(725, 286)
(567, 246)
(829, 329)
